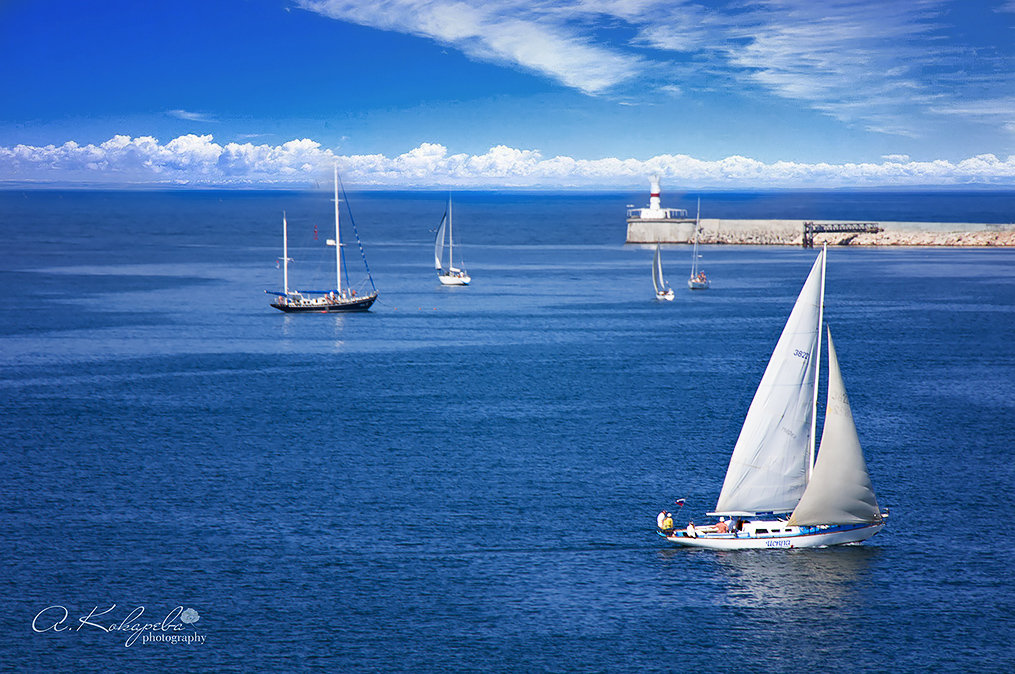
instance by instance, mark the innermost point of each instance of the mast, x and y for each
(694, 254)
(451, 240)
(285, 256)
(817, 368)
(338, 241)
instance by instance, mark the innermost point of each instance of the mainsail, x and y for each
(438, 247)
(840, 489)
(657, 272)
(767, 471)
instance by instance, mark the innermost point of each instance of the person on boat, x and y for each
(691, 533)
(668, 524)
(721, 528)
(660, 518)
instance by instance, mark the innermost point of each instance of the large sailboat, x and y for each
(698, 280)
(779, 491)
(663, 291)
(338, 299)
(452, 275)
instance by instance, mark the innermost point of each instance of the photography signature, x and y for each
(134, 626)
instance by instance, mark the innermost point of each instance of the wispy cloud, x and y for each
(865, 62)
(535, 36)
(191, 116)
(199, 160)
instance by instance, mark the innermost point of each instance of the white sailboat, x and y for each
(663, 291)
(776, 495)
(698, 280)
(336, 300)
(452, 276)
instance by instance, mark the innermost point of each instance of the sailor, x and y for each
(668, 523)
(691, 533)
(721, 527)
(660, 518)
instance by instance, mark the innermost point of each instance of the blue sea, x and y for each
(466, 479)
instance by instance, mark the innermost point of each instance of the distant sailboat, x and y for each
(663, 291)
(452, 276)
(336, 300)
(698, 280)
(780, 495)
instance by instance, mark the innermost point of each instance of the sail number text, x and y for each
(802, 354)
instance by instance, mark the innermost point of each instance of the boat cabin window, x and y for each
(761, 531)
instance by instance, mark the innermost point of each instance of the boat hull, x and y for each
(451, 280)
(698, 285)
(822, 538)
(666, 295)
(327, 307)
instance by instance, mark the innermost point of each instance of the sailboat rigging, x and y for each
(336, 300)
(698, 280)
(450, 276)
(782, 492)
(663, 291)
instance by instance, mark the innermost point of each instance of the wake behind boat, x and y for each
(777, 493)
(336, 300)
(663, 291)
(452, 276)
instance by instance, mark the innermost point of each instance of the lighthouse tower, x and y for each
(653, 199)
(655, 211)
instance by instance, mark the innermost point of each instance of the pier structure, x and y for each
(791, 233)
(812, 228)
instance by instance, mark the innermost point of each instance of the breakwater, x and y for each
(791, 232)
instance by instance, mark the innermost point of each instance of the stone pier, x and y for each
(790, 233)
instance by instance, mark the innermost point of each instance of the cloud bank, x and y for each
(198, 161)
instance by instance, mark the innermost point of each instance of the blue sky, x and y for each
(565, 93)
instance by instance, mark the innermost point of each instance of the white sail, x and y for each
(840, 489)
(767, 471)
(657, 272)
(438, 246)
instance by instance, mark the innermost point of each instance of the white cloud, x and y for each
(535, 36)
(190, 116)
(200, 161)
(868, 62)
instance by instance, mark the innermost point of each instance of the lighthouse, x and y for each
(653, 197)
(655, 212)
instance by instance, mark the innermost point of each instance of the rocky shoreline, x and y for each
(790, 233)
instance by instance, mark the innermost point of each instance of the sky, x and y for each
(549, 94)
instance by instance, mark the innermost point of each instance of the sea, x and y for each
(467, 479)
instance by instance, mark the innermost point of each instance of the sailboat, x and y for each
(663, 291)
(698, 280)
(452, 276)
(780, 495)
(338, 299)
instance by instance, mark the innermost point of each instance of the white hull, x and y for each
(665, 295)
(799, 539)
(698, 285)
(453, 280)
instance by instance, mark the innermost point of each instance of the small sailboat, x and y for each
(779, 493)
(338, 299)
(452, 276)
(698, 280)
(663, 291)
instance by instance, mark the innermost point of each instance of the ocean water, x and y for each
(467, 479)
